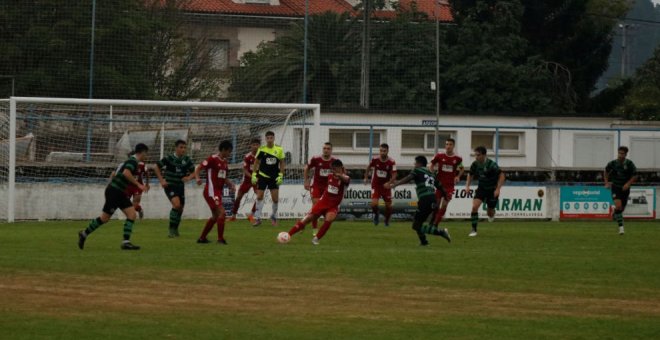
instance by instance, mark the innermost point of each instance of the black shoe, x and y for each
(424, 243)
(81, 240)
(173, 233)
(203, 240)
(444, 233)
(224, 242)
(129, 246)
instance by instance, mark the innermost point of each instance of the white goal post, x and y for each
(55, 141)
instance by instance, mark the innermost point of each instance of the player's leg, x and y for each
(111, 203)
(275, 196)
(300, 225)
(212, 202)
(427, 207)
(375, 196)
(175, 215)
(314, 222)
(491, 204)
(330, 217)
(617, 215)
(137, 198)
(418, 222)
(474, 215)
(129, 211)
(220, 220)
(261, 188)
(242, 190)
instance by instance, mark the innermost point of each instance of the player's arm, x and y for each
(366, 172)
(342, 176)
(632, 179)
(255, 167)
(146, 179)
(246, 170)
(191, 174)
(500, 183)
(461, 170)
(469, 179)
(306, 180)
(606, 175)
(128, 174)
(198, 170)
(282, 165)
(408, 178)
(159, 174)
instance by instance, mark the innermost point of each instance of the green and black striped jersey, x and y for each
(119, 181)
(269, 160)
(487, 172)
(175, 168)
(425, 183)
(620, 173)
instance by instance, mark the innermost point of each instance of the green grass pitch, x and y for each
(525, 280)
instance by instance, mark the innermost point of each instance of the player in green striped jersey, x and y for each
(620, 174)
(116, 196)
(491, 178)
(425, 186)
(178, 169)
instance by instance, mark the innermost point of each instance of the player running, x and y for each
(328, 205)
(450, 170)
(178, 169)
(217, 170)
(491, 179)
(116, 197)
(246, 185)
(620, 174)
(384, 172)
(268, 173)
(425, 186)
(322, 166)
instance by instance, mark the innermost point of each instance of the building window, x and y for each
(423, 140)
(354, 139)
(219, 53)
(508, 143)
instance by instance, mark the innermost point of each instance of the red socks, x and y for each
(439, 215)
(207, 228)
(221, 228)
(296, 228)
(324, 229)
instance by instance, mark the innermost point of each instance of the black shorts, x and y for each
(425, 207)
(115, 198)
(270, 183)
(487, 196)
(176, 191)
(619, 194)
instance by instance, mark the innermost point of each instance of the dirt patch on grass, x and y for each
(65, 295)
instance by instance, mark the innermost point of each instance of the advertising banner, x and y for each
(596, 202)
(295, 202)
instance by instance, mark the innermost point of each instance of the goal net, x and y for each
(57, 154)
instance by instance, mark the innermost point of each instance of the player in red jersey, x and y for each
(450, 170)
(328, 205)
(322, 166)
(246, 185)
(217, 171)
(134, 193)
(384, 172)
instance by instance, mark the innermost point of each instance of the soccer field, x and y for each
(515, 280)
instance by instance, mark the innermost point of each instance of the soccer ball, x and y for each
(283, 237)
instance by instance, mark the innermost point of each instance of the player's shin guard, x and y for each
(275, 207)
(324, 229)
(175, 219)
(128, 229)
(296, 228)
(474, 218)
(260, 206)
(93, 225)
(618, 217)
(207, 228)
(221, 228)
(439, 215)
(388, 214)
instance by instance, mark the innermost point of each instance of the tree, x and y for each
(643, 100)
(274, 73)
(566, 33)
(138, 50)
(488, 68)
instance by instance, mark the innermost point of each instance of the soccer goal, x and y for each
(57, 154)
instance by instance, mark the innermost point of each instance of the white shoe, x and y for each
(315, 241)
(473, 234)
(621, 232)
(491, 219)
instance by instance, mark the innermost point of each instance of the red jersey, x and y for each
(322, 169)
(216, 174)
(447, 168)
(334, 193)
(248, 164)
(383, 171)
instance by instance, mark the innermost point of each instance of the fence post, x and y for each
(497, 145)
(371, 142)
(11, 185)
(618, 138)
(233, 142)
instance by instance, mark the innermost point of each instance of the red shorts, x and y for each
(214, 201)
(448, 195)
(322, 208)
(246, 185)
(317, 191)
(380, 192)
